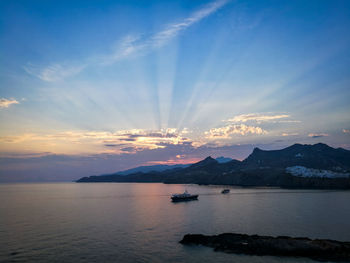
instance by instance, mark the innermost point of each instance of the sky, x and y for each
(93, 87)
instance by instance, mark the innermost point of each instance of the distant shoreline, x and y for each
(317, 166)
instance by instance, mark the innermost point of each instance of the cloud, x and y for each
(318, 135)
(242, 125)
(123, 141)
(175, 161)
(172, 30)
(130, 45)
(133, 44)
(98, 141)
(346, 130)
(257, 117)
(290, 134)
(54, 72)
(5, 103)
(226, 132)
(128, 149)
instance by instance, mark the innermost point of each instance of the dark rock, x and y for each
(317, 249)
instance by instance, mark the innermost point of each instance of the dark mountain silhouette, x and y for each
(160, 167)
(261, 168)
(206, 162)
(319, 156)
(151, 168)
(223, 159)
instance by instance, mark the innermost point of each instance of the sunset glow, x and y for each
(131, 83)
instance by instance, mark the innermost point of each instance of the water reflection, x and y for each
(138, 222)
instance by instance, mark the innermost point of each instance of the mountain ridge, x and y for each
(260, 168)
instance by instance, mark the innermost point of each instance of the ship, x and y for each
(183, 197)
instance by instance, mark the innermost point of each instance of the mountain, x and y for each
(223, 159)
(162, 167)
(152, 168)
(319, 156)
(298, 166)
(206, 162)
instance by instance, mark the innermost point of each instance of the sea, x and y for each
(137, 222)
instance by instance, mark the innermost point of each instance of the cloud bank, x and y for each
(89, 142)
(135, 140)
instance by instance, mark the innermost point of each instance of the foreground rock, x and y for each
(317, 249)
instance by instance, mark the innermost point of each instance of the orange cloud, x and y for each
(5, 103)
(122, 141)
(176, 161)
(290, 134)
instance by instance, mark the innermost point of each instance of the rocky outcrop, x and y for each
(317, 249)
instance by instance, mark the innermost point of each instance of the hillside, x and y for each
(298, 166)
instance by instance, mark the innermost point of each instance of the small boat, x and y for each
(225, 191)
(183, 197)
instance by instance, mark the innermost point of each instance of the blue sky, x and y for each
(124, 81)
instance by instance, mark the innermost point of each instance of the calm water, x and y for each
(138, 223)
